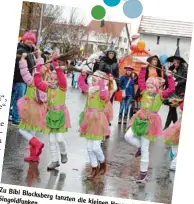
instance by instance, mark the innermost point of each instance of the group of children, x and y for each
(43, 109)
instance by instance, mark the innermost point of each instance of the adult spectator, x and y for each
(180, 69)
(19, 86)
(109, 65)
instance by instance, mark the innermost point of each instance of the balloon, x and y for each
(141, 45)
(163, 59)
(133, 48)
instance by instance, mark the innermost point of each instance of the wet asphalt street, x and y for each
(122, 166)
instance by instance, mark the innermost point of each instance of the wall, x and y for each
(167, 45)
(98, 39)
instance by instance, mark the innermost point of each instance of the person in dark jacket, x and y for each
(97, 63)
(19, 86)
(179, 69)
(152, 71)
(127, 87)
(109, 65)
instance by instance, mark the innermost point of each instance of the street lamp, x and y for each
(39, 39)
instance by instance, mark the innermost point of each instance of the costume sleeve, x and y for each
(103, 92)
(117, 72)
(141, 79)
(62, 81)
(39, 83)
(183, 81)
(82, 84)
(171, 88)
(102, 65)
(27, 77)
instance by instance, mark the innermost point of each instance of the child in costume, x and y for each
(171, 135)
(108, 110)
(57, 118)
(32, 110)
(128, 92)
(146, 124)
(94, 126)
(82, 81)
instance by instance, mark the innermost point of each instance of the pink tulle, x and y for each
(67, 117)
(32, 113)
(95, 123)
(155, 122)
(172, 133)
(108, 110)
(81, 83)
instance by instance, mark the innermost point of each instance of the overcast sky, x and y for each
(86, 15)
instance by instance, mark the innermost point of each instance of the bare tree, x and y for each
(52, 15)
(69, 32)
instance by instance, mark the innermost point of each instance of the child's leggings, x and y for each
(54, 139)
(27, 135)
(139, 142)
(175, 152)
(95, 152)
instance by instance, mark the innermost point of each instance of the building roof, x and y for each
(114, 28)
(157, 26)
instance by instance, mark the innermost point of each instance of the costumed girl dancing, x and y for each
(94, 124)
(146, 124)
(32, 109)
(57, 118)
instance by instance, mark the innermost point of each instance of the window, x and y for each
(158, 40)
(125, 40)
(120, 39)
(178, 41)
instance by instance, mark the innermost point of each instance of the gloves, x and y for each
(38, 67)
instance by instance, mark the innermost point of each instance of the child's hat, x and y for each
(100, 74)
(128, 68)
(154, 81)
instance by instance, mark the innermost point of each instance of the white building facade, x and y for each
(163, 36)
(100, 39)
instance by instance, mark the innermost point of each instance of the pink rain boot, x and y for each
(34, 142)
(32, 157)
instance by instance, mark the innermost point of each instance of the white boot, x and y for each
(173, 164)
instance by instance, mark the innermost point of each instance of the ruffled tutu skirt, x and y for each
(94, 124)
(155, 123)
(171, 134)
(108, 110)
(32, 115)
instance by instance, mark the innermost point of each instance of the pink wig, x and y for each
(29, 36)
(154, 81)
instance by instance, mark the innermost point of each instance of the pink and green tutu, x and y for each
(31, 112)
(171, 134)
(95, 125)
(155, 123)
(108, 110)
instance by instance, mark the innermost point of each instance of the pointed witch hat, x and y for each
(176, 56)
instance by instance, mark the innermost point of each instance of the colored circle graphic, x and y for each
(112, 3)
(132, 8)
(98, 12)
